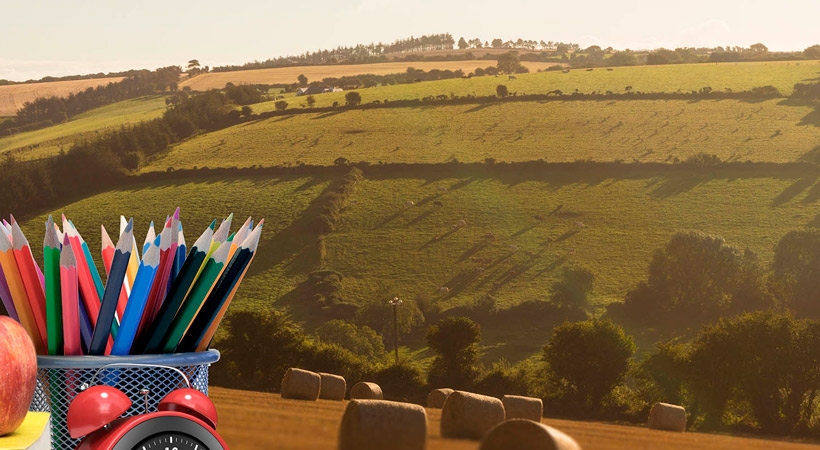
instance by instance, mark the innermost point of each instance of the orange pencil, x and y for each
(18, 293)
(31, 280)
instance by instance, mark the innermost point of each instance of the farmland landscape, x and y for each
(668, 205)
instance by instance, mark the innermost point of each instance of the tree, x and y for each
(695, 278)
(193, 67)
(508, 62)
(303, 80)
(462, 43)
(812, 52)
(310, 100)
(362, 341)
(281, 105)
(796, 270)
(765, 361)
(353, 98)
(759, 48)
(247, 111)
(497, 43)
(622, 59)
(591, 356)
(501, 90)
(572, 290)
(455, 339)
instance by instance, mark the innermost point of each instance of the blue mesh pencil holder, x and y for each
(60, 378)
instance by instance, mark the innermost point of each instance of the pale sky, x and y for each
(68, 37)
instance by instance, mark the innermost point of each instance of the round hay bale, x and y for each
(366, 390)
(333, 387)
(665, 416)
(383, 425)
(436, 397)
(301, 384)
(468, 415)
(523, 434)
(518, 407)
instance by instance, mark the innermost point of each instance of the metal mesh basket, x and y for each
(59, 379)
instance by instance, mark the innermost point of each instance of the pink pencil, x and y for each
(71, 300)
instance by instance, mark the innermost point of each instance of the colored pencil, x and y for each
(86, 329)
(70, 299)
(103, 330)
(88, 291)
(199, 334)
(54, 305)
(221, 234)
(179, 258)
(133, 267)
(5, 296)
(107, 254)
(167, 250)
(176, 295)
(18, 293)
(28, 273)
(193, 302)
(92, 266)
(136, 303)
(149, 238)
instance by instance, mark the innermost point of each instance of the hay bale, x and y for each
(366, 390)
(436, 397)
(301, 384)
(523, 434)
(383, 425)
(518, 407)
(468, 415)
(665, 416)
(333, 387)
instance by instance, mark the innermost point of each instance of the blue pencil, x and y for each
(85, 327)
(111, 295)
(136, 303)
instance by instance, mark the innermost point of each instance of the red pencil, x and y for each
(91, 298)
(31, 281)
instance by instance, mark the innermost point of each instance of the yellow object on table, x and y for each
(32, 434)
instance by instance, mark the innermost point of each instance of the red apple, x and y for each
(18, 374)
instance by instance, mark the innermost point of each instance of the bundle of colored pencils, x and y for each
(170, 300)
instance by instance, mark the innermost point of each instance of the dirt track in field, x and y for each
(254, 420)
(12, 97)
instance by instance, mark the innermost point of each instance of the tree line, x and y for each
(46, 111)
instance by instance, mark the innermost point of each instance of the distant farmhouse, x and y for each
(316, 89)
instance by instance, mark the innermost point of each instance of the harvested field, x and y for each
(13, 97)
(252, 420)
(217, 80)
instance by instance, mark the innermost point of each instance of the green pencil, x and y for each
(54, 303)
(193, 302)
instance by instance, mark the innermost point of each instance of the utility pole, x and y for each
(395, 302)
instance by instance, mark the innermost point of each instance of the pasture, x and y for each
(12, 97)
(520, 229)
(253, 420)
(49, 141)
(555, 131)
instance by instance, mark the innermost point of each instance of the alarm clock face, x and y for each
(168, 431)
(170, 441)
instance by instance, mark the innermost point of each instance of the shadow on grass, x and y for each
(794, 190)
(329, 114)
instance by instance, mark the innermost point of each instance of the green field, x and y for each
(49, 141)
(558, 131)
(666, 78)
(613, 196)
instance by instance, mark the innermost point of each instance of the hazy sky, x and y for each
(68, 37)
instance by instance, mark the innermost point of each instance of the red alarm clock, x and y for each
(186, 420)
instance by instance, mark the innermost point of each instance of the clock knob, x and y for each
(190, 401)
(95, 408)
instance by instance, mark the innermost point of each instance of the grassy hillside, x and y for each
(588, 204)
(559, 131)
(49, 141)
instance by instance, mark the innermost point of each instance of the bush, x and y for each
(403, 383)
